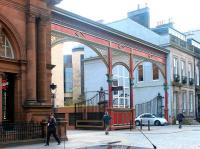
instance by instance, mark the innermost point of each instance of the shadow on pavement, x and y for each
(113, 147)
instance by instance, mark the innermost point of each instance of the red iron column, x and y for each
(109, 80)
(166, 94)
(131, 91)
(109, 75)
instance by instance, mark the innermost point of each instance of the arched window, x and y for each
(121, 98)
(5, 47)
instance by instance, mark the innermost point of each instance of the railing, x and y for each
(20, 131)
(177, 41)
(153, 106)
(191, 81)
(92, 108)
(184, 79)
(176, 78)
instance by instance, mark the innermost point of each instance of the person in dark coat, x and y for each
(180, 118)
(51, 129)
(106, 119)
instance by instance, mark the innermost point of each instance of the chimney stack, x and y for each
(140, 16)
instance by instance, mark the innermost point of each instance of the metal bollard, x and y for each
(148, 125)
(141, 124)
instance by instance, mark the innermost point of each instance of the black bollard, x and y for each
(148, 125)
(141, 124)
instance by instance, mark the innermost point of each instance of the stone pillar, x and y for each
(17, 97)
(49, 64)
(62, 129)
(1, 38)
(1, 75)
(31, 59)
(42, 65)
(1, 115)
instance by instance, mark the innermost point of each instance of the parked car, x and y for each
(157, 121)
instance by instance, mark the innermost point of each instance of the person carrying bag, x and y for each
(51, 129)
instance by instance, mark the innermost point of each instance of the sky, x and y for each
(183, 13)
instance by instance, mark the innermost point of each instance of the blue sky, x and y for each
(184, 13)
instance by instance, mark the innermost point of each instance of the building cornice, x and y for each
(178, 48)
(13, 4)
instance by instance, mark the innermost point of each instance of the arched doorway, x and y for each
(8, 73)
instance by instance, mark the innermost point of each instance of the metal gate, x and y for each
(89, 113)
(154, 106)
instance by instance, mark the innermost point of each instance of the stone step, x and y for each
(194, 122)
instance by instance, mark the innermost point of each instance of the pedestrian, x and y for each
(51, 129)
(180, 118)
(106, 119)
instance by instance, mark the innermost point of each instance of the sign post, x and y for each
(117, 88)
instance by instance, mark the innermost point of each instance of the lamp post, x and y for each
(159, 104)
(53, 95)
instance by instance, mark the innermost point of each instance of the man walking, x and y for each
(180, 118)
(51, 129)
(106, 119)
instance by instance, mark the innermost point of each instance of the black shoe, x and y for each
(46, 145)
(58, 143)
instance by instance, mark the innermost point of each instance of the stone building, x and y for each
(180, 63)
(25, 63)
(181, 71)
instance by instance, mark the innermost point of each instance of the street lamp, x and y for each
(159, 104)
(53, 95)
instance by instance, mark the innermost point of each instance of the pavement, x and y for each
(163, 137)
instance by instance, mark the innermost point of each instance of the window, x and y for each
(183, 68)
(175, 103)
(191, 101)
(175, 66)
(190, 70)
(68, 77)
(140, 73)
(155, 72)
(68, 80)
(68, 61)
(6, 48)
(115, 83)
(184, 100)
(121, 78)
(147, 116)
(197, 76)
